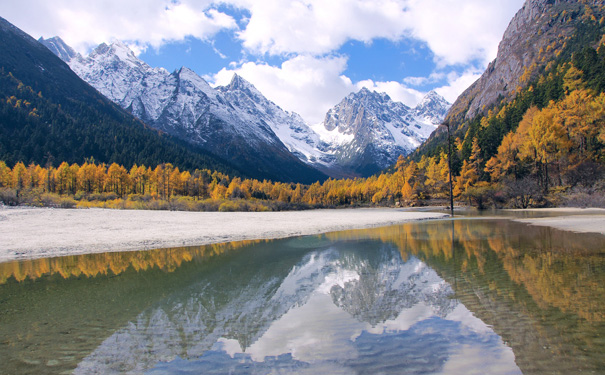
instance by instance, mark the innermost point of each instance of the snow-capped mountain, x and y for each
(183, 104)
(367, 131)
(362, 135)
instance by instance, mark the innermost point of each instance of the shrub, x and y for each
(9, 197)
(229, 206)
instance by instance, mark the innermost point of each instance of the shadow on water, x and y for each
(446, 296)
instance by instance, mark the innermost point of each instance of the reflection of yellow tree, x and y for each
(91, 265)
(555, 271)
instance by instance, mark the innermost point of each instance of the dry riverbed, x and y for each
(27, 233)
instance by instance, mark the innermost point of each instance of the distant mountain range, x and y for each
(362, 135)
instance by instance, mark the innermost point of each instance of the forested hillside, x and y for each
(48, 115)
(545, 139)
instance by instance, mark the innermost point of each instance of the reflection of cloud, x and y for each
(388, 312)
(430, 346)
(316, 331)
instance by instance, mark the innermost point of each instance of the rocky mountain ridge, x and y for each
(535, 35)
(184, 105)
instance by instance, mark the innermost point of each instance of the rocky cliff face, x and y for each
(534, 37)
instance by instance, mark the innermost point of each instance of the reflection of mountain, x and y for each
(539, 288)
(376, 297)
(252, 306)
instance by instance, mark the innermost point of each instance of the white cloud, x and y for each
(457, 84)
(304, 84)
(421, 81)
(318, 26)
(457, 31)
(460, 31)
(85, 24)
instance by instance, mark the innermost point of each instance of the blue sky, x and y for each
(305, 55)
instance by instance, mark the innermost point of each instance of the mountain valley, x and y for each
(360, 136)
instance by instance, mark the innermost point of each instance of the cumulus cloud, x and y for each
(304, 84)
(85, 24)
(318, 26)
(421, 81)
(457, 83)
(459, 32)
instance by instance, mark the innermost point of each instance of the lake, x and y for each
(464, 296)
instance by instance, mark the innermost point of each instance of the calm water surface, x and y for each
(438, 297)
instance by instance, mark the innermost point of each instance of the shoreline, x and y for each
(29, 233)
(578, 220)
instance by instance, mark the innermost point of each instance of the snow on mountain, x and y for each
(59, 48)
(365, 133)
(184, 105)
(431, 110)
(289, 127)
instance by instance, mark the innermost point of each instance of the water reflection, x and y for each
(352, 307)
(501, 298)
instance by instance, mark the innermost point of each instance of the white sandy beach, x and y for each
(27, 233)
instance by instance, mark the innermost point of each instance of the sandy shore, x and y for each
(574, 223)
(27, 233)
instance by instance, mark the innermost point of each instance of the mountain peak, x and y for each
(432, 97)
(238, 83)
(117, 51)
(367, 94)
(59, 48)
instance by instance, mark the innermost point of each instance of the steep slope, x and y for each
(541, 32)
(184, 105)
(367, 131)
(49, 115)
(291, 129)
